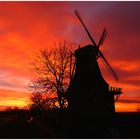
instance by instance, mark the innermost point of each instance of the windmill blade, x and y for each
(100, 42)
(79, 17)
(109, 67)
(104, 34)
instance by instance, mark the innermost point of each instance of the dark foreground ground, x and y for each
(22, 124)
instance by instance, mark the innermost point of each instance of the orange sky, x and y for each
(25, 27)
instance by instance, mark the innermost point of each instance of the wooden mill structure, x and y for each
(89, 95)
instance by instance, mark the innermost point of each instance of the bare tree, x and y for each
(37, 102)
(54, 68)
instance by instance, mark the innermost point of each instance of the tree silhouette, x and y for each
(38, 101)
(54, 67)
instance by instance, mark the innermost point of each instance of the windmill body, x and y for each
(88, 94)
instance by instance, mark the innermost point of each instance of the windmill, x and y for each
(88, 93)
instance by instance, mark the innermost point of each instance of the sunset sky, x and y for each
(25, 27)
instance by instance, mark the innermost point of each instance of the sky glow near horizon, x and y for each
(25, 27)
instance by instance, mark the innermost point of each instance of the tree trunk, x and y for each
(60, 100)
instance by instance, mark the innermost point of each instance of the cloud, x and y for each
(13, 83)
(128, 101)
(13, 98)
(26, 27)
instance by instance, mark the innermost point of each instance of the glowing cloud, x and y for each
(27, 26)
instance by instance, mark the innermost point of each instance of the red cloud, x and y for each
(26, 27)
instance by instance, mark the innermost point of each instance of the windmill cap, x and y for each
(86, 50)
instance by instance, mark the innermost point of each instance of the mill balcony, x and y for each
(115, 90)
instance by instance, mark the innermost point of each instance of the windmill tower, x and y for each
(89, 95)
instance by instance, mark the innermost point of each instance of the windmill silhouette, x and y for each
(89, 95)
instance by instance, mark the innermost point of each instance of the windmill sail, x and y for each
(102, 38)
(78, 15)
(99, 53)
